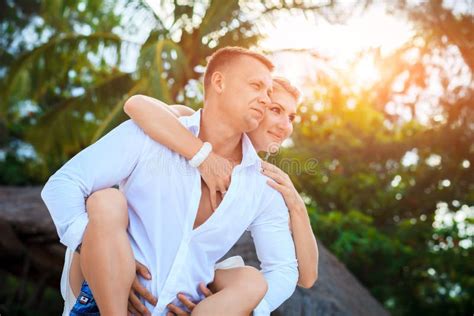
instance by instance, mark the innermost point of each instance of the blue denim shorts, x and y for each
(85, 304)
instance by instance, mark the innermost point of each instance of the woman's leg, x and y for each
(237, 292)
(75, 274)
(106, 259)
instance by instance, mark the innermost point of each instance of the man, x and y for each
(172, 228)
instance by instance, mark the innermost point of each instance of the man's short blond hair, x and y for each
(285, 85)
(226, 55)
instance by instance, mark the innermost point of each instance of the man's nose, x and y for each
(265, 99)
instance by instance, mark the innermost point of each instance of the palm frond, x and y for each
(70, 124)
(218, 13)
(40, 61)
(116, 111)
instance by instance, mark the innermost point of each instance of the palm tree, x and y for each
(75, 81)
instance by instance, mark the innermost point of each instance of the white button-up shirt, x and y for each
(163, 193)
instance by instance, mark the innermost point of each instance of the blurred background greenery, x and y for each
(388, 113)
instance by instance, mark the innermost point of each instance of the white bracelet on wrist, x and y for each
(201, 155)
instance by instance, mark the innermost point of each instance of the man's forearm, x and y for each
(281, 285)
(279, 265)
(99, 166)
(65, 202)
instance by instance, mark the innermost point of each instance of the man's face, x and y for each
(246, 92)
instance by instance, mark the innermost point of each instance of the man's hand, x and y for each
(135, 306)
(216, 172)
(175, 310)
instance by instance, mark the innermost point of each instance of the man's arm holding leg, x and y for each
(99, 166)
(276, 252)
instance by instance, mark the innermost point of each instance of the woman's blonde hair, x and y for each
(285, 84)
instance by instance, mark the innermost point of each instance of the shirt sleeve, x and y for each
(276, 252)
(103, 164)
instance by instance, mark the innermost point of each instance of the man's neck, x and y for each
(225, 140)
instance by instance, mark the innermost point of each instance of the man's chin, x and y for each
(252, 124)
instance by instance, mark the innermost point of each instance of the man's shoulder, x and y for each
(268, 196)
(188, 121)
(271, 205)
(129, 129)
(276, 200)
(134, 131)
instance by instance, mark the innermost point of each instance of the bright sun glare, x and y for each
(339, 43)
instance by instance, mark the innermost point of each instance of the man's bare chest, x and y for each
(205, 209)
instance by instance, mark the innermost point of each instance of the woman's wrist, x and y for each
(298, 210)
(297, 204)
(201, 155)
(194, 148)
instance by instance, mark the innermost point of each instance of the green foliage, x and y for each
(14, 171)
(386, 191)
(13, 290)
(399, 266)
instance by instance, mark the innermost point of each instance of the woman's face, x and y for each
(277, 123)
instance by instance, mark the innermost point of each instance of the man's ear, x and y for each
(217, 82)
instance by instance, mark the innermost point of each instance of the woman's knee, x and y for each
(108, 205)
(246, 280)
(253, 281)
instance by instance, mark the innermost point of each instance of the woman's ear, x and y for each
(217, 82)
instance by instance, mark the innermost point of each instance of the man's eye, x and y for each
(276, 110)
(255, 85)
(292, 118)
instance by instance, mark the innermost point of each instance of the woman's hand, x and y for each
(216, 172)
(175, 310)
(282, 183)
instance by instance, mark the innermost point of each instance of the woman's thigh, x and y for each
(114, 202)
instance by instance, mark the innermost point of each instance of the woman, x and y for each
(275, 127)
